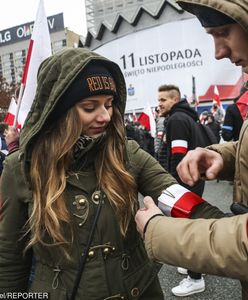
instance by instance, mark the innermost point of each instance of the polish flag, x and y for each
(146, 119)
(216, 99)
(216, 96)
(10, 116)
(39, 49)
(134, 117)
(179, 146)
(178, 202)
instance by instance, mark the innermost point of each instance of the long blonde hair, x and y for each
(48, 177)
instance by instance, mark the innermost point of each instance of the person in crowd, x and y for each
(182, 134)
(148, 142)
(3, 128)
(132, 132)
(159, 132)
(204, 117)
(160, 140)
(70, 193)
(12, 136)
(234, 118)
(135, 131)
(218, 112)
(222, 243)
(214, 126)
(3, 145)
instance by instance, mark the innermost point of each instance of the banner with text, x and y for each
(168, 54)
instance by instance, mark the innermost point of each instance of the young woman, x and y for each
(70, 193)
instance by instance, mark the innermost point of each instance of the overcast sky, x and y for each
(16, 12)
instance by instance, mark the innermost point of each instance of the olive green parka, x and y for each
(116, 267)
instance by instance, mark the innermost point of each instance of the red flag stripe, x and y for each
(182, 150)
(9, 119)
(144, 120)
(25, 72)
(183, 207)
(177, 201)
(216, 96)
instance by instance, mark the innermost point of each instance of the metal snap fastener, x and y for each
(81, 201)
(91, 254)
(96, 196)
(106, 251)
(135, 292)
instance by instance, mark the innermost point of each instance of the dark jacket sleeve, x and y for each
(177, 130)
(207, 211)
(14, 264)
(228, 124)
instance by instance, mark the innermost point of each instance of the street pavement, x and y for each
(217, 288)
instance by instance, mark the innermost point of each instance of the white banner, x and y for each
(168, 54)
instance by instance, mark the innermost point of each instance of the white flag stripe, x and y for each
(12, 107)
(170, 196)
(216, 91)
(40, 51)
(149, 113)
(179, 143)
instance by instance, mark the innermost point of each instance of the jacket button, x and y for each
(91, 254)
(81, 201)
(106, 251)
(96, 197)
(135, 292)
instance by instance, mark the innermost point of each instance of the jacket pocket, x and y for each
(45, 287)
(143, 279)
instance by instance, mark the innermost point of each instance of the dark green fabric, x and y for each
(207, 211)
(124, 268)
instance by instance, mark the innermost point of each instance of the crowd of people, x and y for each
(70, 217)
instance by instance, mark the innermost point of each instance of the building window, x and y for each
(6, 57)
(58, 45)
(18, 54)
(6, 64)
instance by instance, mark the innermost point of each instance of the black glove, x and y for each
(238, 208)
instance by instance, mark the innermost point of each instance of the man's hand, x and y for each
(199, 163)
(143, 215)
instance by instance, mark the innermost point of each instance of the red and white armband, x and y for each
(178, 202)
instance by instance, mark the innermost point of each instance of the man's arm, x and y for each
(218, 247)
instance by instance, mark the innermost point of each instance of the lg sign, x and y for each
(22, 32)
